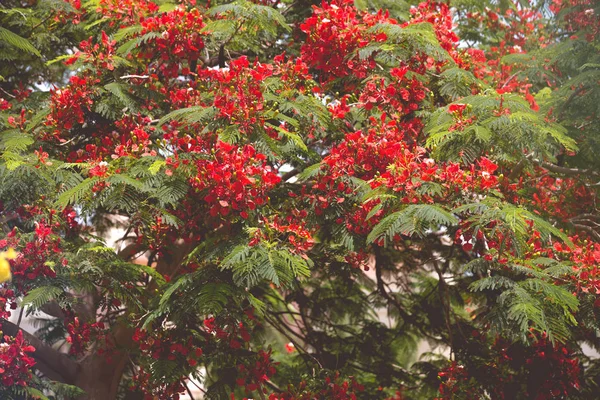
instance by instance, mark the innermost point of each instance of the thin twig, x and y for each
(20, 317)
(510, 78)
(135, 77)
(189, 392)
(589, 230)
(195, 384)
(8, 94)
(445, 300)
(288, 8)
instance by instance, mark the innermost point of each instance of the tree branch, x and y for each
(560, 170)
(566, 170)
(589, 230)
(379, 260)
(49, 361)
(289, 174)
(572, 97)
(517, 170)
(444, 295)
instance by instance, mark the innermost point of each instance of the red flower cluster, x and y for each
(254, 375)
(358, 259)
(586, 261)
(232, 334)
(519, 30)
(398, 98)
(363, 154)
(81, 334)
(334, 388)
(238, 92)
(291, 228)
(69, 105)
(159, 345)
(62, 16)
(7, 298)
(455, 383)
(411, 170)
(556, 369)
(383, 157)
(35, 257)
(4, 104)
(563, 198)
(335, 32)
(356, 222)
(563, 369)
(439, 15)
(15, 363)
(99, 56)
(580, 15)
(126, 12)
(234, 179)
(293, 72)
(145, 382)
(178, 37)
(461, 120)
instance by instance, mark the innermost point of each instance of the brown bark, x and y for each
(100, 378)
(52, 363)
(94, 374)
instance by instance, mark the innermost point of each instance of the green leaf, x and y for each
(35, 393)
(17, 41)
(14, 140)
(156, 166)
(40, 296)
(180, 283)
(120, 92)
(258, 305)
(127, 31)
(190, 115)
(491, 283)
(213, 297)
(414, 219)
(309, 172)
(58, 59)
(128, 46)
(76, 194)
(294, 137)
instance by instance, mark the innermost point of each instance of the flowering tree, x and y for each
(309, 193)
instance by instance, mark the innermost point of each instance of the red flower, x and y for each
(458, 107)
(15, 363)
(289, 347)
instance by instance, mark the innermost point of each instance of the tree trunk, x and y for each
(100, 379)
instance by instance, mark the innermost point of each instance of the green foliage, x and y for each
(251, 265)
(244, 25)
(190, 115)
(127, 47)
(419, 220)
(533, 303)
(358, 290)
(41, 295)
(512, 136)
(511, 220)
(120, 92)
(456, 83)
(16, 41)
(402, 43)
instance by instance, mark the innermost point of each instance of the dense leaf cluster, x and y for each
(339, 200)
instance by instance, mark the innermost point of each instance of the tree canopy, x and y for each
(369, 199)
